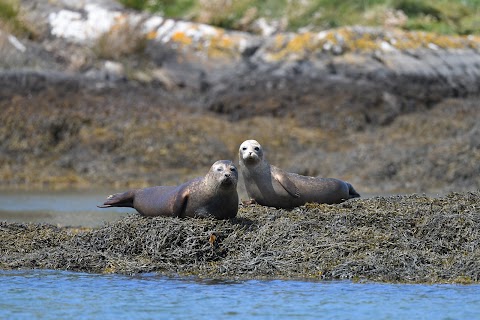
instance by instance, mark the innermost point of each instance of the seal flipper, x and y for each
(282, 178)
(180, 204)
(124, 199)
(351, 191)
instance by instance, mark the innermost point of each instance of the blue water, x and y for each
(48, 294)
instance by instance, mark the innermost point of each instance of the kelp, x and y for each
(408, 239)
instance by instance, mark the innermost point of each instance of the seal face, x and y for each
(271, 186)
(251, 152)
(214, 195)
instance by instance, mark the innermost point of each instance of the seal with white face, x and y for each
(271, 186)
(214, 195)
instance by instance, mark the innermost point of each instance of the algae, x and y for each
(409, 239)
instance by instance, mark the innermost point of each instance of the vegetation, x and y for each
(124, 39)
(390, 239)
(8, 10)
(10, 18)
(442, 16)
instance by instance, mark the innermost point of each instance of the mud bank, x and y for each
(411, 239)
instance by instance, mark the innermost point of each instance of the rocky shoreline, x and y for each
(404, 239)
(140, 100)
(390, 111)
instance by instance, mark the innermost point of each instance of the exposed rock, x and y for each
(112, 96)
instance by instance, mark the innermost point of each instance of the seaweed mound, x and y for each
(409, 238)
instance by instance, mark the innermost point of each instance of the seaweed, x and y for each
(408, 239)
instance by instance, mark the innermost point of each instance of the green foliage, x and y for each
(170, 8)
(135, 4)
(10, 18)
(443, 16)
(413, 8)
(8, 10)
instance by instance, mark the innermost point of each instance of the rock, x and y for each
(386, 109)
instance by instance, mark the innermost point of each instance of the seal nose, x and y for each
(228, 174)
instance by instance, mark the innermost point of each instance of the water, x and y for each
(62, 208)
(48, 294)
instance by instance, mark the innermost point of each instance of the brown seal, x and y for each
(214, 195)
(271, 186)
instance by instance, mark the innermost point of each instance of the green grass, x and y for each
(8, 10)
(10, 18)
(171, 8)
(441, 16)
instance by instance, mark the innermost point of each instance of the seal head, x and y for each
(251, 153)
(223, 174)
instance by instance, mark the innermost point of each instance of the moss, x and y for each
(365, 42)
(181, 38)
(218, 45)
(300, 42)
(222, 45)
(297, 46)
(359, 40)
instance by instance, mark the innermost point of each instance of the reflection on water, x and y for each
(61, 294)
(64, 208)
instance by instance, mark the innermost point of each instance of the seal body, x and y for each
(214, 195)
(271, 186)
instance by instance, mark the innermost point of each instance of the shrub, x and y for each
(122, 39)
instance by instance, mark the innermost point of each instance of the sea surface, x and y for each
(49, 294)
(62, 208)
(58, 294)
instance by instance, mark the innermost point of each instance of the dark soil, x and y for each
(412, 239)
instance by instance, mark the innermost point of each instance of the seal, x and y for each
(271, 186)
(214, 195)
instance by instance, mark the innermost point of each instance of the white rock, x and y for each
(76, 27)
(385, 46)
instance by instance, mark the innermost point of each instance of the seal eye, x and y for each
(257, 149)
(233, 169)
(219, 169)
(244, 148)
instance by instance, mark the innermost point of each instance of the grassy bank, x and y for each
(412, 239)
(443, 16)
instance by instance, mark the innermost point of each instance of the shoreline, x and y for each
(397, 239)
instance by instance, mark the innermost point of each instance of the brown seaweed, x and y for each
(412, 238)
